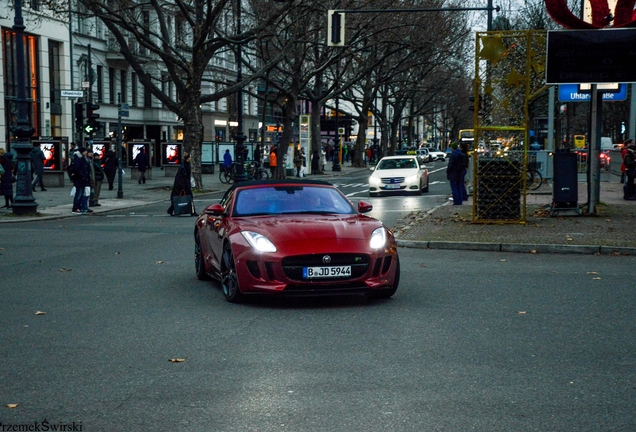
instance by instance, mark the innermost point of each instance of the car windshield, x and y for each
(391, 164)
(296, 199)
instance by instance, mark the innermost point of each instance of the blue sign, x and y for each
(573, 93)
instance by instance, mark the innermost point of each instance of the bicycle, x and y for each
(255, 171)
(226, 175)
(534, 180)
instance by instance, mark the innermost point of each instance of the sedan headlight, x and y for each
(378, 238)
(411, 179)
(374, 180)
(259, 241)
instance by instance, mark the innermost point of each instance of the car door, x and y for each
(216, 227)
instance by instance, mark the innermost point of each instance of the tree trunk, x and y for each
(193, 135)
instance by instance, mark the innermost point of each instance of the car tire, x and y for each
(425, 189)
(199, 264)
(229, 277)
(388, 292)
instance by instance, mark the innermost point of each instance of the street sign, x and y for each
(72, 93)
(575, 93)
(124, 110)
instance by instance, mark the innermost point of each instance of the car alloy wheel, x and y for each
(229, 277)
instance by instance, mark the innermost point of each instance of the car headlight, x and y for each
(378, 238)
(374, 180)
(259, 241)
(411, 179)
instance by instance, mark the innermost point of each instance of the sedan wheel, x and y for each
(199, 265)
(229, 278)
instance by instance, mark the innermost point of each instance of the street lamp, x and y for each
(24, 202)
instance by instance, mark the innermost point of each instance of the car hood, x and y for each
(395, 173)
(293, 228)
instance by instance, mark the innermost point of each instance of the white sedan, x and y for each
(398, 174)
(437, 155)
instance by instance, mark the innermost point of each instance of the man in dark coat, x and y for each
(6, 181)
(142, 163)
(110, 167)
(81, 181)
(455, 173)
(37, 161)
(182, 185)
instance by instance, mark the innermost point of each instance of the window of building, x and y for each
(147, 98)
(100, 83)
(124, 86)
(111, 85)
(133, 85)
(32, 80)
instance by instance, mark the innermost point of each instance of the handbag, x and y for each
(182, 204)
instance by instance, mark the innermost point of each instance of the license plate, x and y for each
(392, 186)
(325, 272)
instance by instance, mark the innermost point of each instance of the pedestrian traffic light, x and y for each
(335, 28)
(92, 124)
(79, 115)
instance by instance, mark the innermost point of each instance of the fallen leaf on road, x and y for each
(596, 278)
(608, 220)
(40, 313)
(117, 253)
(64, 270)
(177, 360)
(159, 262)
(11, 406)
(592, 272)
(502, 260)
(534, 251)
(522, 312)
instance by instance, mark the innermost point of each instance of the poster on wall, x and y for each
(171, 153)
(134, 148)
(52, 154)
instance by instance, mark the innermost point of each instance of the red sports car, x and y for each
(294, 237)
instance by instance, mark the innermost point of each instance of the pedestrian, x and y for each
(81, 182)
(258, 154)
(110, 167)
(182, 184)
(298, 162)
(273, 160)
(303, 160)
(454, 173)
(315, 163)
(323, 160)
(142, 163)
(37, 162)
(629, 189)
(96, 181)
(465, 163)
(7, 179)
(227, 160)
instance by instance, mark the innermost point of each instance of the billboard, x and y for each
(52, 150)
(134, 148)
(171, 153)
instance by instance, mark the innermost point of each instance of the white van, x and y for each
(606, 143)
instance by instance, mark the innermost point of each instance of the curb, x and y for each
(519, 248)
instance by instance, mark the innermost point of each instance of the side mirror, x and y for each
(364, 207)
(215, 210)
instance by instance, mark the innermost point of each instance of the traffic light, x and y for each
(79, 115)
(92, 124)
(335, 28)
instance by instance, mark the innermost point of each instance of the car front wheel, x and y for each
(199, 264)
(229, 277)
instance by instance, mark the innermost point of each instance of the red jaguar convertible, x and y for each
(294, 237)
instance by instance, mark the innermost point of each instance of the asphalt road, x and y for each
(471, 340)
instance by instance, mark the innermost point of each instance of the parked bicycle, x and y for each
(253, 171)
(534, 180)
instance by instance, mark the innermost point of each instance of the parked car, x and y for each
(398, 174)
(294, 237)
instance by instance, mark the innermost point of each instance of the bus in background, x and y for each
(467, 136)
(579, 141)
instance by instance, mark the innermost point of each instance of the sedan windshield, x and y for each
(290, 199)
(391, 164)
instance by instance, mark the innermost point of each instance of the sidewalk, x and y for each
(611, 231)
(56, 202)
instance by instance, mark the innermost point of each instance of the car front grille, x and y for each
(392, 180)
(293, 266)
